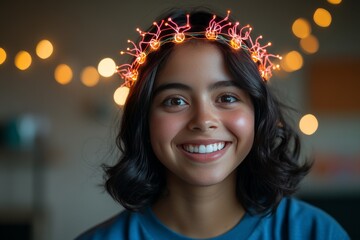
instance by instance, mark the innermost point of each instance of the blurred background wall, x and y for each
(55, 136)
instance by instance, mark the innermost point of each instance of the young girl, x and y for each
(206, 151)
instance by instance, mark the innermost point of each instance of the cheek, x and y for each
(163, 127)
(242, 124)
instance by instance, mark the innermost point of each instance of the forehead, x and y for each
(194, 60)
(195, 50)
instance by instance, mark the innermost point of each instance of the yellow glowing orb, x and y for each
(292, 61)
(301, 28)
(106, 67)
(63, 74)
(2, 55)
(23, 60)
(308, 124)
(90, 76)
(44, 49)
(310, 44)
(120, 95)
(322, 17)
(334, 1)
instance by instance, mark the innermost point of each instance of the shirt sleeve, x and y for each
(305, 221)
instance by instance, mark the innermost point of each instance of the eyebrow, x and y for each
(178, 86)
(181, 86)
(222, 84)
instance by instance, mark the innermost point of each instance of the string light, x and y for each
(216, 31)
(179, 36)
(215, 28)
(129, 72)
(238, 38)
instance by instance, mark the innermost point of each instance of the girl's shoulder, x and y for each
(295, 209)
(295, 219)
(120, 226)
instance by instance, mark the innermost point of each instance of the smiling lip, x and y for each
(205, 151)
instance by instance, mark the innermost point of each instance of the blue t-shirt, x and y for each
(293, 219)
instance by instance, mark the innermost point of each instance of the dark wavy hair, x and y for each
(271, 170)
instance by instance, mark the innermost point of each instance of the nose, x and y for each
(204, 118)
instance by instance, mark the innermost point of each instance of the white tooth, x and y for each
(191, 148)
(202, 149)
(215, 147)
(209, 148)
(196, 149)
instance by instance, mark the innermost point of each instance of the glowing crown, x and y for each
(235, 37)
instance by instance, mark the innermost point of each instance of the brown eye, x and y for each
(227, 98)
(174, 102)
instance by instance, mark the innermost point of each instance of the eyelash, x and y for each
(228, 95)
(169, 102)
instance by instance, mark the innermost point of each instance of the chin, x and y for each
(207, 179)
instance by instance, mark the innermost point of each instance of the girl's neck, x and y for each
(199, 211)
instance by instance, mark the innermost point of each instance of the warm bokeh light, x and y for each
(322, 17)
(310, 44)
(2, 55)
(107, 67)
(334, 1)
(308, 124)
(301, 28)
(120, 95)
(90, 76)
(23, 60)
(292, 61)
(63, 74)
(44, 49)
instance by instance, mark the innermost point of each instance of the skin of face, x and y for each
(197, 107)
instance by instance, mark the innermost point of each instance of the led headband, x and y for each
(234, 37)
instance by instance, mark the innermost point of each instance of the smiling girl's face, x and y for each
(201, 123)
